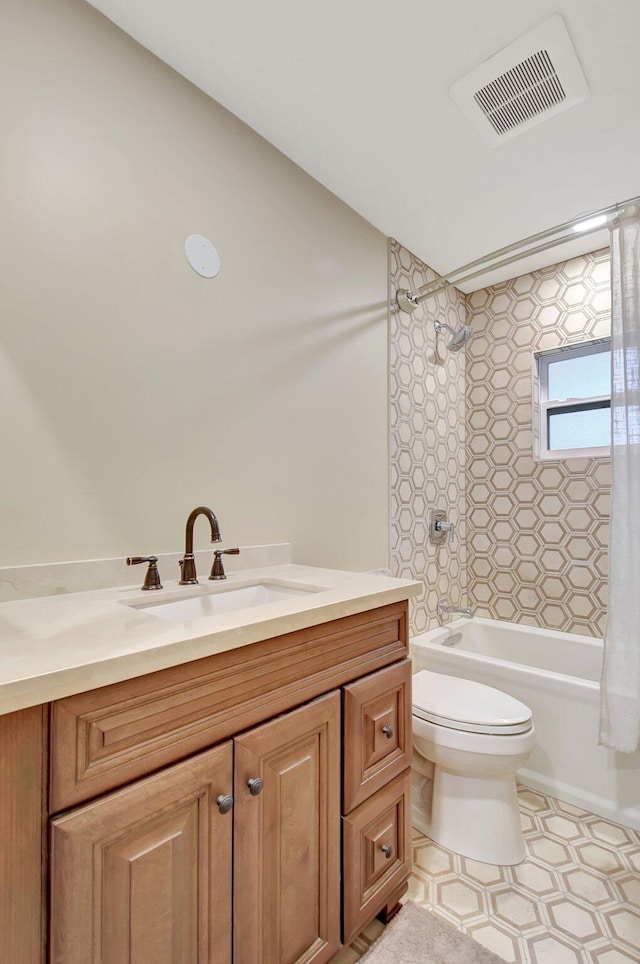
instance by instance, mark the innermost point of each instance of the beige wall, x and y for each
(132, 389)
(538, 531)
(427, 439)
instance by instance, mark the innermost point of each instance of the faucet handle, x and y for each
(152, 578)
(217, 572)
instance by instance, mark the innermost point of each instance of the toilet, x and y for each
(468, 741)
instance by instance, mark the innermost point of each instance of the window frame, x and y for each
(545, 406)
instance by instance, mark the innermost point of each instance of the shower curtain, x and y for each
(620, 686)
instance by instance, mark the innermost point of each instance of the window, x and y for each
(574, 400)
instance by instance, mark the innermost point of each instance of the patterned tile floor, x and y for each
(575, 899)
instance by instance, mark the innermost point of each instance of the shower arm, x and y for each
(439, 325)
(408, 299)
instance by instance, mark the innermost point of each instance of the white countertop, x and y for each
(54, 646)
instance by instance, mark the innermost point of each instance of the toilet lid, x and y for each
(463, 704)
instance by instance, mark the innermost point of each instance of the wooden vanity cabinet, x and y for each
(146, 874)
(139, 864)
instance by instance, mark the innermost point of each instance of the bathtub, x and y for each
(557, 675)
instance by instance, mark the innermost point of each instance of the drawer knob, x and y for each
(255, 786)
(387, 850)
(388, 731)
(225, 803)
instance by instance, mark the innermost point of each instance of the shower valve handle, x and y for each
(448, 527)
(439, 527)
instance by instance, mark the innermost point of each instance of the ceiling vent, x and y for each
(524, 84)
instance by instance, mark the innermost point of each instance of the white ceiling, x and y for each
(356, 93)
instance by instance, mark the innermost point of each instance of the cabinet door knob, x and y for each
(225, 803)
(387, 850)
(388, 731)
(255, 786)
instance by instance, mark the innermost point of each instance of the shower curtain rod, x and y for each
(409, 300)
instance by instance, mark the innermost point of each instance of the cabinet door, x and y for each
(143, 876)
(287, 838)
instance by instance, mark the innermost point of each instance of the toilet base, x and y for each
(476, 817)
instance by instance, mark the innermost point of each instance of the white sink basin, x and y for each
(217, 601)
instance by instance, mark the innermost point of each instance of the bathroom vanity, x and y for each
(249, 802)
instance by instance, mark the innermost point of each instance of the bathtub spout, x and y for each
(444, 609)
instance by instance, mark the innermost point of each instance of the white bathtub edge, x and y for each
(566, 792)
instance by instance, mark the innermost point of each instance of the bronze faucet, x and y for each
(188, 575)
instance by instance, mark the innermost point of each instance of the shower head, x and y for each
(459, 338)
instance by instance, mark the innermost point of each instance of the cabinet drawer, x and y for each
(376, 731)
(376, 852)
(107, 737)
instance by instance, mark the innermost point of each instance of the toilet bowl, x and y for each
(476, 737)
